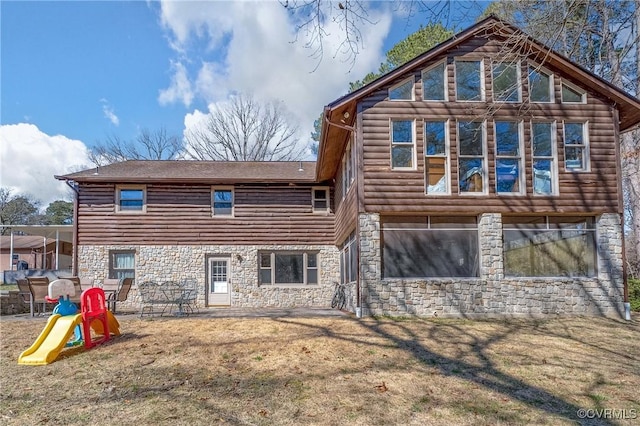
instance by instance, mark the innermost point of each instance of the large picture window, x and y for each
(434, 83)
(402, 144)
(545, 171)
(469, 81)
(122, 264)
(288, 267)
(435, 246)
(471, 157)
(436, 148)
(509, 165)
(549, 246)
(506, 82)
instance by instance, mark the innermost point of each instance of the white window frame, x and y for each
(444, 81)
(543, 70)
(305, 269)
(483, 95)
(517, 65)
(348, 169)
(142, 188)
(233, 200)
(553, 158)
(485, 173)
(314, 199)
(412, 143)
(575, 88)
(585, 146)
(522, 182)
(446, 156)
(402, 83)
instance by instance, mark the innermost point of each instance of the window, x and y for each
(320, 199)
(545, 171)
(471, 157)
(295, 267)
(348, 169)
(436, 148)
(469, 81)
(572, 94)
(402, 144)
(506, 82)
(402, 91)
(434, 83)
(122, 264)
(576, 154)
(349, 260)
(222, 201)
(540, 85)
(509, 166)
(435, 246)
(131, 198)
(550, 246)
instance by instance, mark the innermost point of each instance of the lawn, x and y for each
(330, 371)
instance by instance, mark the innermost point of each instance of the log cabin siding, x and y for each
(346, 207)
(181, 215)
(394, 191)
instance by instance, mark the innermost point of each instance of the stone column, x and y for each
(370, 261)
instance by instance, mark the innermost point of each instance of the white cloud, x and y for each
(109, 113)
(180, 88)
(251, 47)
(30, 158)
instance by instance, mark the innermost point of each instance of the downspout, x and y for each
(625, 282)
(352, 130)
(74, 260)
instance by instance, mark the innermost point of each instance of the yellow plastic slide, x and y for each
(51, 341)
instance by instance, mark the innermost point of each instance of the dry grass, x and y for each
(329, 371)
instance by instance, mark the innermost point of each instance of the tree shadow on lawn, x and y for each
(487, 374)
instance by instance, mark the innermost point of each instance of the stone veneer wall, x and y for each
(175, 263)
(492, 293)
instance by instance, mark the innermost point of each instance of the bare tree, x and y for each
(149, 145)
(244, 129)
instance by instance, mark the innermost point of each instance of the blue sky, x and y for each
(74, 73)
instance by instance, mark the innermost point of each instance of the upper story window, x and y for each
(540, 85)
(436, 152)
(222, 201)
(545, 170)
(131, 198)
(348, 169)
(320, 199)
(402, 144)
(434, 83)
(571, 94)
(402, 91)
(471, 157)
(509, 158)
(576, 146)
(469, 80)
(506, 82)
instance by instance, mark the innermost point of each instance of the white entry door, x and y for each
(219, 281)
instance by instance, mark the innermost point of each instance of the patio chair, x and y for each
(40, 290)
(190, 299)
(25, 293)
(147, 291)
(77, 286)
(121, 294)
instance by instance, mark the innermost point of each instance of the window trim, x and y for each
(517, 64)
(447, 157)
(402, 83)
(522, 181)
(313, 199)
(233, 200)
(413, 144)
(483, 94)
(305, 269)
(348, 169)
(485, 170)
(585, 146)
(445, 81)
(541, 69)
(110, 263)
(583, 93)
(118, 207)
(554, 158)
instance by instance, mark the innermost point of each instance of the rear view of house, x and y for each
(481, 178)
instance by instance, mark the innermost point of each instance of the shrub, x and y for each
(634, 294)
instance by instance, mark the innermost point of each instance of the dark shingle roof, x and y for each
(187, 171)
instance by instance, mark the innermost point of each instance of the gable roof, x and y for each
(339, 116)
(192, 171)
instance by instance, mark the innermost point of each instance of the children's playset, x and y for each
(67, 328)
